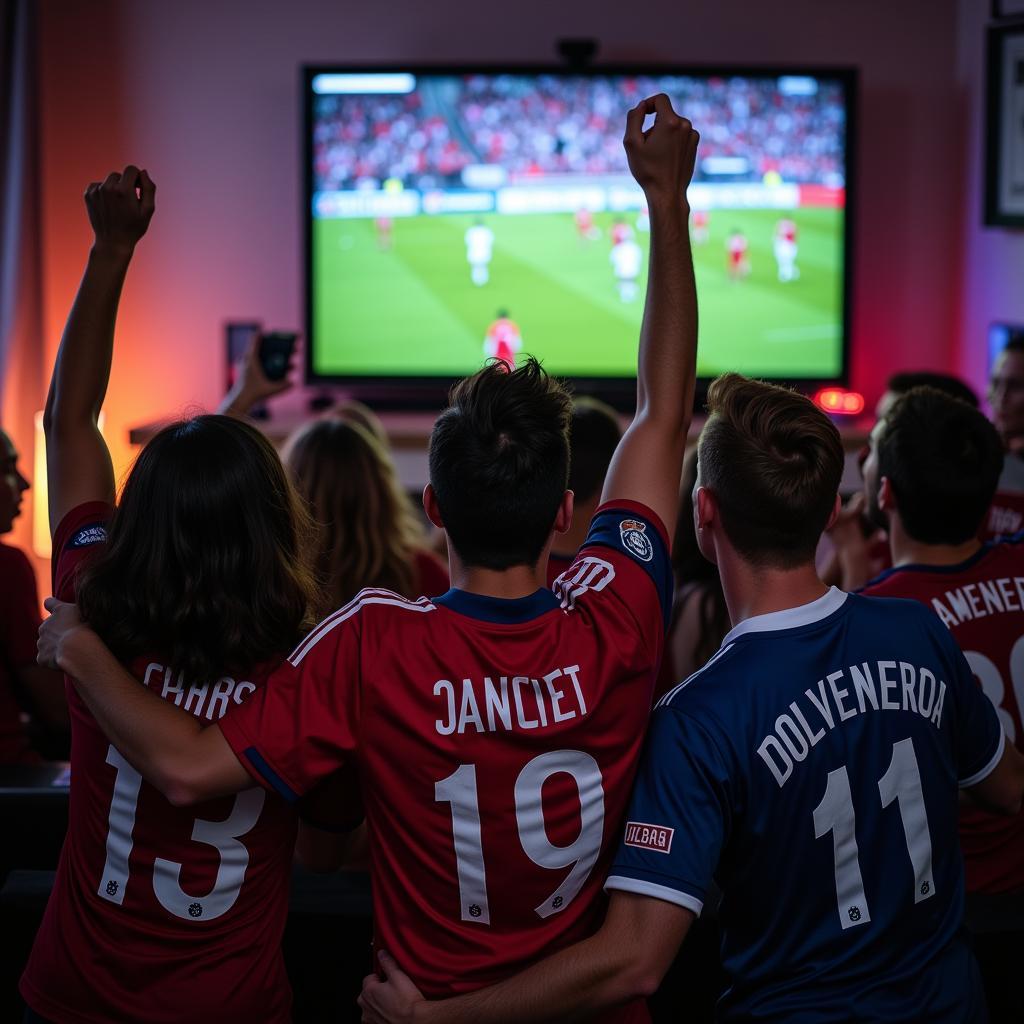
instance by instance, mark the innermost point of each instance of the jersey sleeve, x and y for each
(978, 738)
(19, 609)
(631, 540)
(74, 541)
(679, 816)
(301, 725)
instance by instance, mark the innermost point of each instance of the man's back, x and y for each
(496, 742)
(819, 754)
(981, 601)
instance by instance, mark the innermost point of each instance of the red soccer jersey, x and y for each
(496, 743)
(159, 913)
(19, 622)
(1005, 515)
(982, 602)
(621, 233)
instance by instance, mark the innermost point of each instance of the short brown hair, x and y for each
(773, 461)
(499, 463)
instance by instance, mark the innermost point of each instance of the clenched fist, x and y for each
(661, 158)
(120, 208)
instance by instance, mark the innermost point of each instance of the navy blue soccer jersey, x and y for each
(812, 769)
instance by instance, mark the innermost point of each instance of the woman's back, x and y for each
(160, 913)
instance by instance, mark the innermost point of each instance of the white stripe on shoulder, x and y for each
(371, 595)
(623, 883)
(984, 773)
(689, 679)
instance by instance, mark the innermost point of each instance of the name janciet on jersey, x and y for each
(901, 687)
(524, 702)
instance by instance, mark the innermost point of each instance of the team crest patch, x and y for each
(88, 535)
(634, 538)
(649, 837)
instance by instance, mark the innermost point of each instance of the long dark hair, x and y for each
(206, 560)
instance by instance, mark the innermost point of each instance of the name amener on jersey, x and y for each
(500, 703)
(842, 695)
(976, 600)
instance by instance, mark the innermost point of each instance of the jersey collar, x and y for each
(967, 563)
(499, 609)
(790, 618)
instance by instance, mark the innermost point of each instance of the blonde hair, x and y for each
(368, 528)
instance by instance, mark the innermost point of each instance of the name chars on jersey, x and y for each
(498, 704)
(901, 687)
(976, 600)
(204, 700)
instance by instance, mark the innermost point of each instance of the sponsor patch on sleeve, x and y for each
(649, 837)
(633, 534)
(88, 535)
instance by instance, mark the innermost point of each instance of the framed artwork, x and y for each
(1008, 8)
(1004, 158)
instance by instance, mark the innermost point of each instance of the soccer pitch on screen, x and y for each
(397, 296)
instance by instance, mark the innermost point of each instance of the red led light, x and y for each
(839, 401)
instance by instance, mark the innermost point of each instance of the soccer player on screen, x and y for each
(621, 232)
(587, 230)
(785, 246)
(503, 340)
(626, 259)
(479, 250)
(930, 475)
(812, 768)
(737, 247)
(496, 728)
(383, 226)
(700, 226)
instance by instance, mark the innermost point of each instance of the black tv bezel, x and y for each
(428, 391)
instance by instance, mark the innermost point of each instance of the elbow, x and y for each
(635, 977)
(180, 788)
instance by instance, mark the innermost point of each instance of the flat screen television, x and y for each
(455, 214)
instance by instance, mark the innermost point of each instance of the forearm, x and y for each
(82, 370)
(572, 985)
(164, 743)
(668, 336)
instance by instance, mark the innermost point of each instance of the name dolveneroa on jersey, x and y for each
(842, 695)
(501, 703)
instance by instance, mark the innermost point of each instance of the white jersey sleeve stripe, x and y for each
(660, 892)
(382, 597)
(989, 768)
(328, 622)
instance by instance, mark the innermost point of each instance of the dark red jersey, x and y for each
(19, 622)
(160, 913)
(981, 601)
(496, 741)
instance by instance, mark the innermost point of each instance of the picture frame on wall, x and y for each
(1004, 162)
(1008, 8)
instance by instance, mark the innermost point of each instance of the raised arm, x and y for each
(185, 759)
(648, 462)
(78, 463)
(625, 960)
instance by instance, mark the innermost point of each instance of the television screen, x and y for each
(455, 216)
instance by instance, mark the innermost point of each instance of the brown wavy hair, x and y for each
(773, 460)
(206, 562)
(369, 530)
